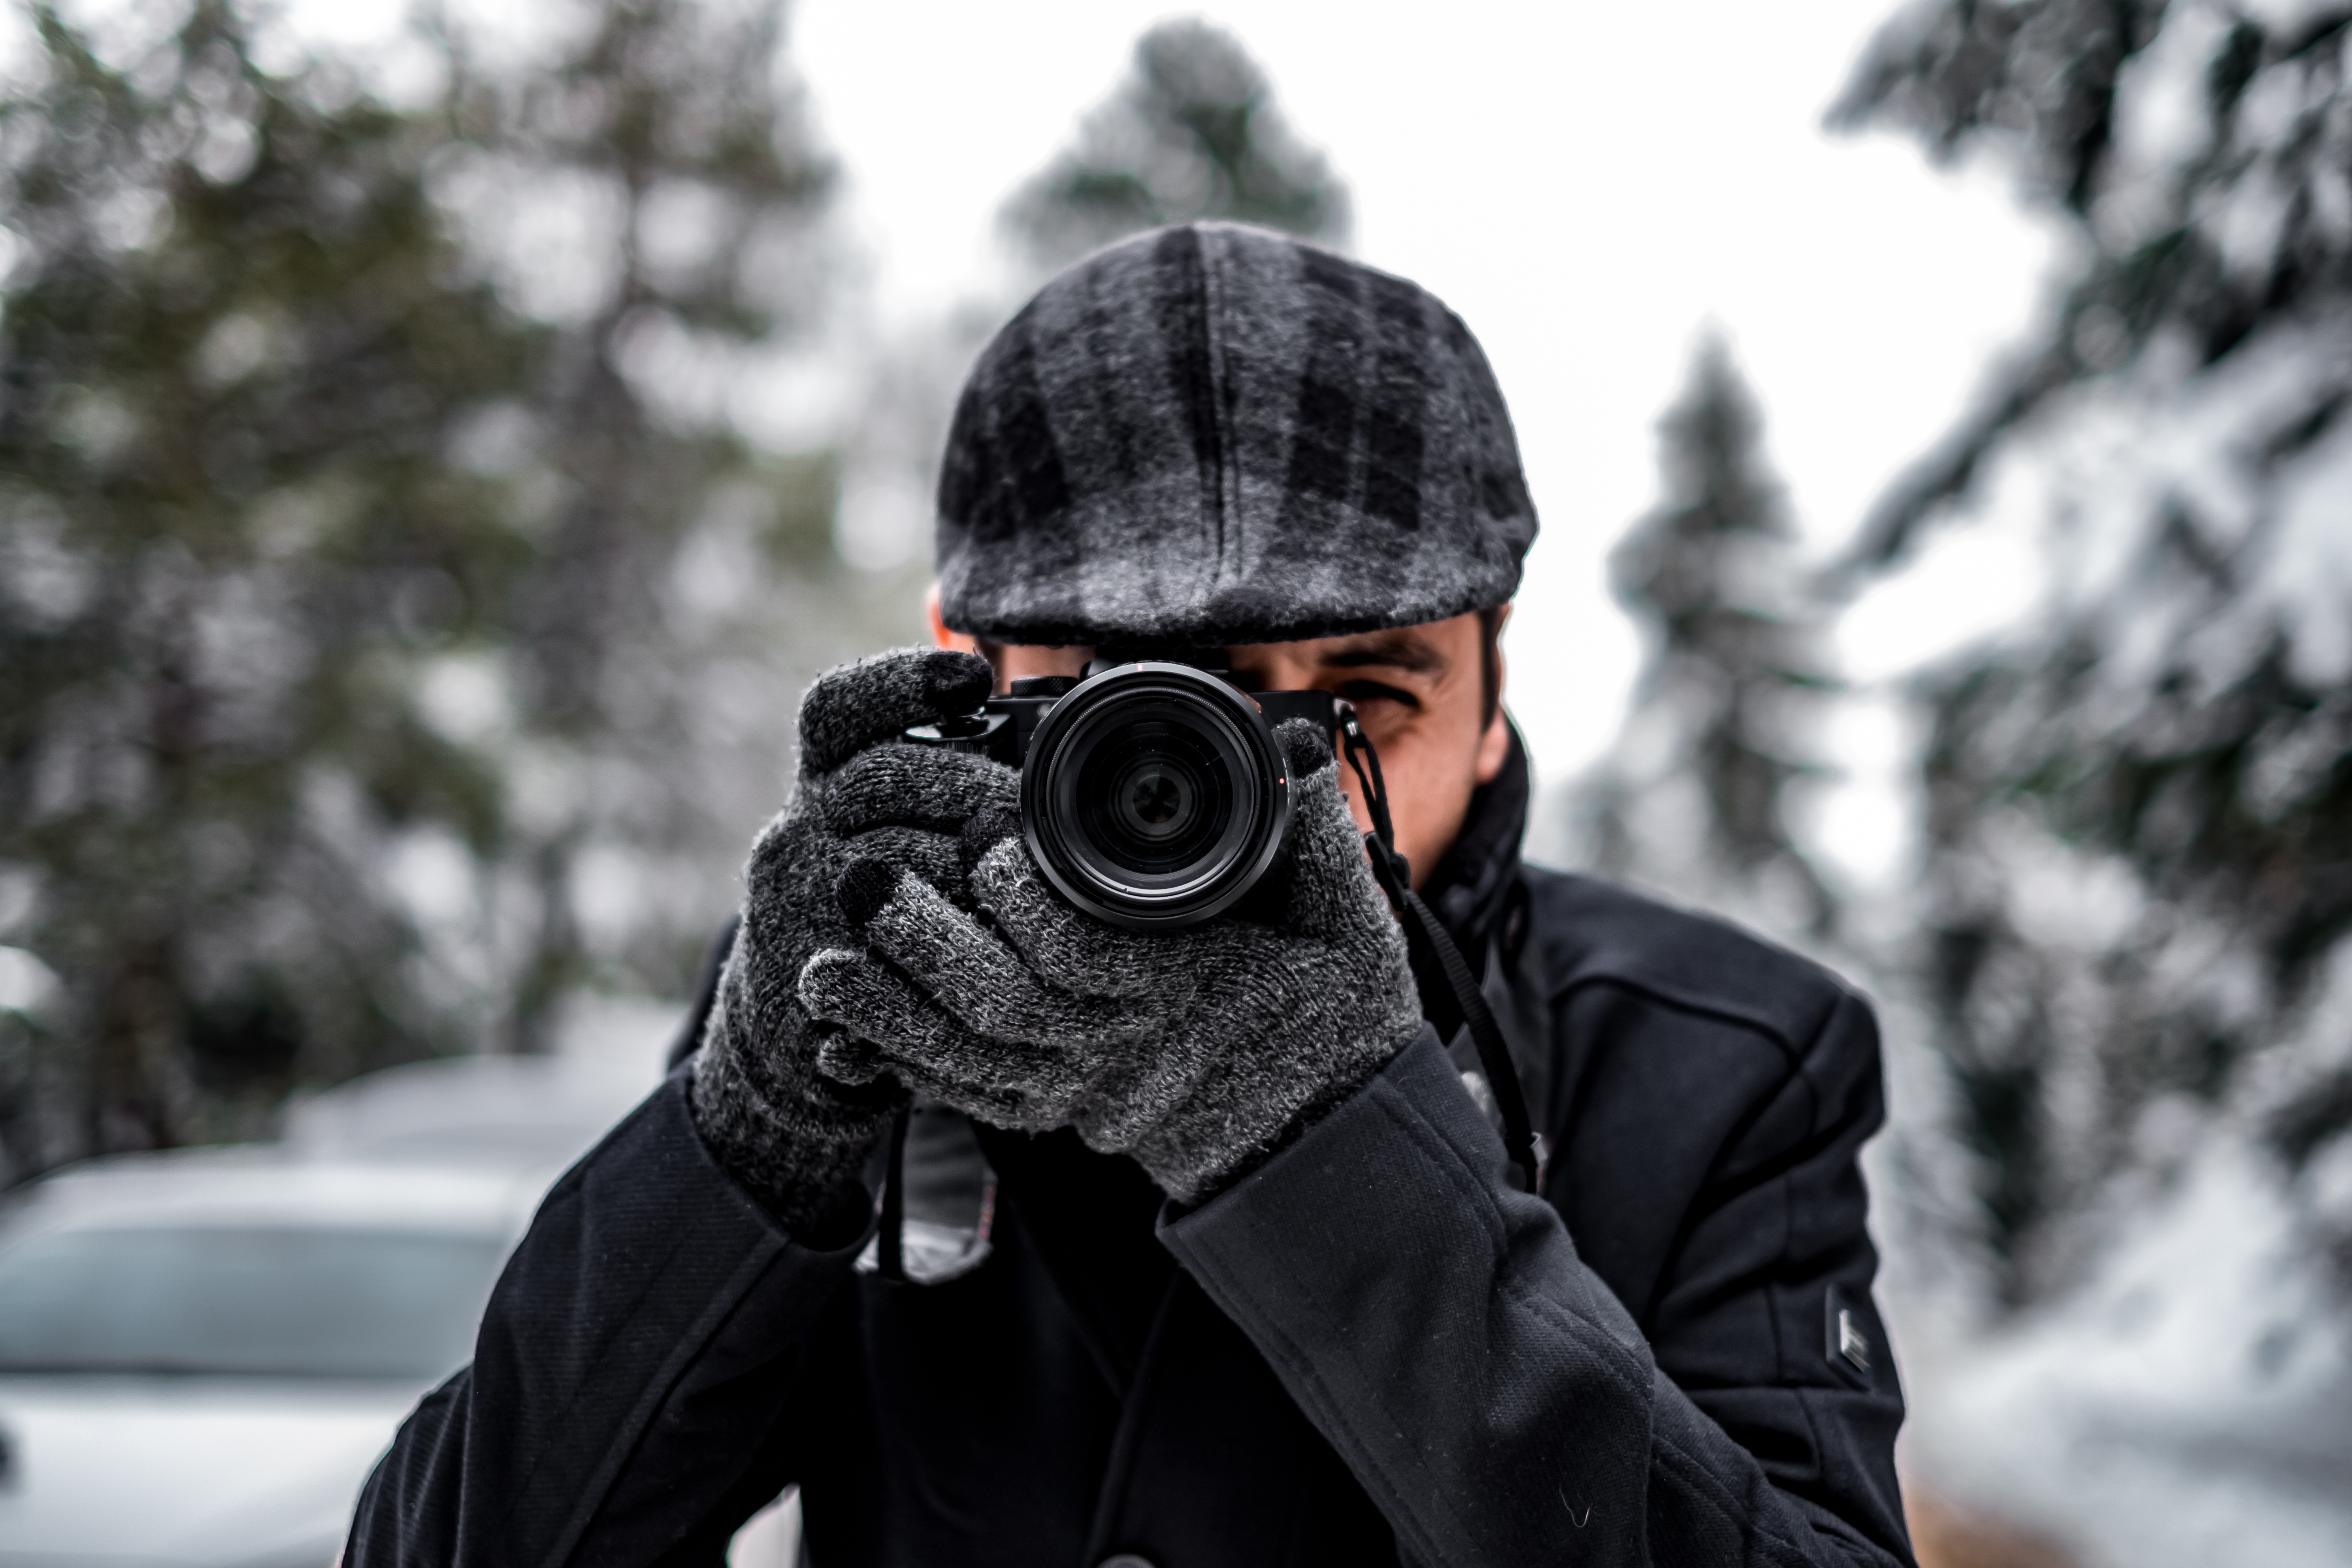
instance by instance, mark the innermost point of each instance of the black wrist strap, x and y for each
(1437, 961)
(890, 1240)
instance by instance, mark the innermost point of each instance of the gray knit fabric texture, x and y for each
(1198, 1051)
(1212, 434)
(766, 1112)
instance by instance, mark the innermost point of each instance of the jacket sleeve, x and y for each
(631, 1391)
(1486, 1388)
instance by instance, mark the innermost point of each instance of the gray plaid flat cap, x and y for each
(1213, 434)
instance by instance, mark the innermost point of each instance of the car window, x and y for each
(261, 1301)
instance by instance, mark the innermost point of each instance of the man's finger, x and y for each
(1331, 884)
(969, 970)
(997, 1107)
(849, 1059)
(852, 706)
(933, 857)
(844, 1058)
(1074, 951)
(914, 787)
(985, 831)
(869, 999)
(1305, 747)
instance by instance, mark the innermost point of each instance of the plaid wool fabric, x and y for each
(1214, 434)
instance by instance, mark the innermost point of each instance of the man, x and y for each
(1209, 1254)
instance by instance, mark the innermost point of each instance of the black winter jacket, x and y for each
(1372, 1350)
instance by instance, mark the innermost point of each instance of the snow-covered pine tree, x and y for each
(1694, 799)
(674, 557)
(237, 338)
(381, 635)
(1191, 134)
(2140, 804)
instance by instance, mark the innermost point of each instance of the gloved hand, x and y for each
(1199, 1052)
(784, 1131)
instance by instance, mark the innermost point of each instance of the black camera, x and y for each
(1152, 793)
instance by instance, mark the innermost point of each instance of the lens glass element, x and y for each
(1153, 796)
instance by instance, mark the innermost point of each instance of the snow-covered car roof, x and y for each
(271, 1186)
(502, 1109)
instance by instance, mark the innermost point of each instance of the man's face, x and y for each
(1419, 691)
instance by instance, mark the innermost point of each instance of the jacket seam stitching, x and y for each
(1393, 1105)
(1771, 1034)
(1422, 1137)
(1696, 1473)
(655, 1392)
(1302, 1366)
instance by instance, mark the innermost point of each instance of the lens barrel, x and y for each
(1153, 795)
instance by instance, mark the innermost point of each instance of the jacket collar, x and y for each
(1471, 889)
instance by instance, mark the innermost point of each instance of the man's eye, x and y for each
(1361, 692)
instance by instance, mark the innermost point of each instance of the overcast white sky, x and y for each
(1587, 184)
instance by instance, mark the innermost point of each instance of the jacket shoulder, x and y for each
(1594, 932)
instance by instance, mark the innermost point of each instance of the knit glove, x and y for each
(773, 1119)
(1198, 1052)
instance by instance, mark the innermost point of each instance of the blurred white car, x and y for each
(204, 1352)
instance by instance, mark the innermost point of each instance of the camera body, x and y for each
(1152, 793)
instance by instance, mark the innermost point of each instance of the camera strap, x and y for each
(1434, 956)
(890, 1240)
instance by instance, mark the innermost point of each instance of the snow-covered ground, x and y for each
(2190, 1406)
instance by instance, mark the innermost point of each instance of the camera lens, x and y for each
(1153, 795)
(1156, 799)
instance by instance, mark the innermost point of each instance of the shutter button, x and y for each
(1126, 1560)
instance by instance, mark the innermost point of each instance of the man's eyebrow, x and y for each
(1396, 651)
